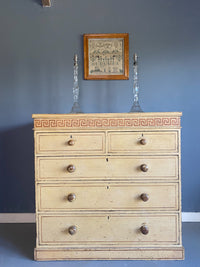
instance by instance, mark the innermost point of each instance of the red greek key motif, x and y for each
(107, 122)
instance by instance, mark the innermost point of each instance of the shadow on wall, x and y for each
(39, 2)
(17, 170)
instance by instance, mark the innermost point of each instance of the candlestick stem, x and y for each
(76, 107)
(136, 106)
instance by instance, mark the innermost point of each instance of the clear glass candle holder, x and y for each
(76, 107)
(136, 106)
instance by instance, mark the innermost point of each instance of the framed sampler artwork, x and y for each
(106, 56)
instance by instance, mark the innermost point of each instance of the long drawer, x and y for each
(70, 143)
(131, 196)
(143, 142)
(127, 167)
(98, 230)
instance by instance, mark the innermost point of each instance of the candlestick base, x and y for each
(76, 108)
(136, 107)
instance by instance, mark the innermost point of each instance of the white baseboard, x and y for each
(17, 217)
(190, 216)
(30, 217)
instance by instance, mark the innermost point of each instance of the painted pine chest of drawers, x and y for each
(108, 186)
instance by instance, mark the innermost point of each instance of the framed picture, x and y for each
(106, 56)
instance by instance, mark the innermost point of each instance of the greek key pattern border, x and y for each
(107, 122)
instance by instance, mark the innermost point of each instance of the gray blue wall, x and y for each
(36, 76)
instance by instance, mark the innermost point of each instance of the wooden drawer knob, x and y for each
(143, 141)
(71, 197)
(72, 230)
(71, 168)
(71, 142)
(144, 197)
(144, 229)
(144, 167)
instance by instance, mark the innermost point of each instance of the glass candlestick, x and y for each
(136, 106)
(76, 107)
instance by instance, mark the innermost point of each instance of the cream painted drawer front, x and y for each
(107, 197)
(70, 143)
(111, 167)
(142, 142)
(108, 229)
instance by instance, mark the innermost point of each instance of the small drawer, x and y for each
(143, 142)
(127, 167)
(70, 143)
(130, 196)
(106, 229)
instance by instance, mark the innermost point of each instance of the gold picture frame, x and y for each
(106, 56)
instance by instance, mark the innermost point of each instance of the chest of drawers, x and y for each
(108, 186)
